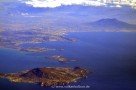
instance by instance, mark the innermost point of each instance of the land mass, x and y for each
(60, 58)
(48, 76)
(112, 24)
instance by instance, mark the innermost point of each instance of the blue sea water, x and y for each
(110, 56)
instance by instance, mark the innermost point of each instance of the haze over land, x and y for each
(41, 36)
(52, 24)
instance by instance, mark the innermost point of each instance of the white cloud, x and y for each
(24, 14)
(28, 15)
(57, 3)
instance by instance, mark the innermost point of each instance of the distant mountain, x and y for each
(112, 24)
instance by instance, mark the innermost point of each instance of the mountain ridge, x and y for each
(112, 23)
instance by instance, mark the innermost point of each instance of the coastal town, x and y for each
(19, 39)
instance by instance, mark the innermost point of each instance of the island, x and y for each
(48, 76)
(61, 58)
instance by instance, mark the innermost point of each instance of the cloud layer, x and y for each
(57, 3)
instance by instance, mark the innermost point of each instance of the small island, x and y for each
(48, 76)
(61, 59)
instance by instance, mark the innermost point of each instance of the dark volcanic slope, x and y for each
(47, 76)
(112, 24)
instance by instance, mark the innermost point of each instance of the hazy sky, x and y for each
(88, 13)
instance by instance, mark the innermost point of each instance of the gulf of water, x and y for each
(110, 56)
